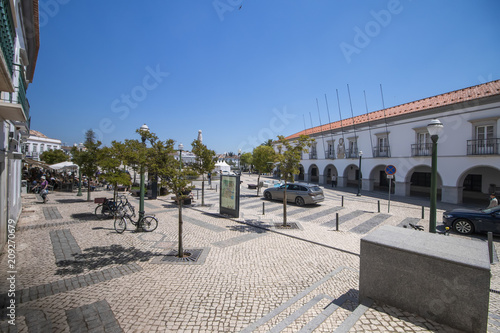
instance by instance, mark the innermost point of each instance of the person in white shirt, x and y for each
(493, 201)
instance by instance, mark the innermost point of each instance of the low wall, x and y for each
(443, 278)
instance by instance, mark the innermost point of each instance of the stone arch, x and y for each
(329, 171)
(419, 179)
(380, 180)
(300, 176)
(313, 173)
(478, 182)
(351, 174)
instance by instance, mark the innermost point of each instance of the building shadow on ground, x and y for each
(98, 257)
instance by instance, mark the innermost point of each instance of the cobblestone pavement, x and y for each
(74, 273)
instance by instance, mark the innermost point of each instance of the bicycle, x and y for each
(110, 208)
(147, 223)
(446, 231)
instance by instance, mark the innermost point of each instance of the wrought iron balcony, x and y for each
(14, 105)
(382, 151)
(483, 147)
(329, 154)
(352, 153)
(421, 149)
(7, 39)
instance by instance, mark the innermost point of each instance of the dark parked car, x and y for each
(301, 194)
(466, 221)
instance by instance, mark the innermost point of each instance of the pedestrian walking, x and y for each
(44, 190)
(493, 201)
(334, 181)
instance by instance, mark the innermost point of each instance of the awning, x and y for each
(39, 164)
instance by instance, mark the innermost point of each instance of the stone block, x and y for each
(442, 278)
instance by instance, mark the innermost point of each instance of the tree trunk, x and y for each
(258, 184)
(88, 190)
(203, 191)
(180, 249)
(284, 204)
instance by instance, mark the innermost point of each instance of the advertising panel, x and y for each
(230, 195)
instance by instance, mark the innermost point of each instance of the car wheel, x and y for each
(463, 226)
(299, 201)
(268, 195)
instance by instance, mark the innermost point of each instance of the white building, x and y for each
(468, 149)
(19, 43)
(37, 143)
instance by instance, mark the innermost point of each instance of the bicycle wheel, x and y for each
(120, 225)
(98, 210)
(149, 223)
(107, 210)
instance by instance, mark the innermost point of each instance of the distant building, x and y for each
(468, 149)
(37, 143)
(20, 41)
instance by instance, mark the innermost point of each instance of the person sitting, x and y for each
(493, 201)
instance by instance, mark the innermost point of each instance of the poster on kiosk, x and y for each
(229, 202)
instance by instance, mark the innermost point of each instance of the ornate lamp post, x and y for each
(435, 128)
(144, 129)
(359, 174)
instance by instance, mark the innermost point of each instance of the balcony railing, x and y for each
(7, 34)
(352, 153)
(381, 151)
(19, 94)
(313, 155)
(329, 154)
(421, 149)
(483, 147)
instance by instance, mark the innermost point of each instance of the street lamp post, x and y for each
(434, 128)
(180, 250)
(359, 174)
(144, 129)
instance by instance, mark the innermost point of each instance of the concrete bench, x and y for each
(445, 279)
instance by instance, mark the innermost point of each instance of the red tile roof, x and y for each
(467, 94)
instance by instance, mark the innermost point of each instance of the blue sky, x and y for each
(245, 75)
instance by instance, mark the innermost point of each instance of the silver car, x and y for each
(300, 193)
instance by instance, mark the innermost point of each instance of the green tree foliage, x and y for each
(246, 160)
(87, 159)
(263, 160)
(110, 161)
(54, 156)
(288, 158)
(205, 163)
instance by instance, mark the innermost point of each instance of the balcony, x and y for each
(352, 153)
(313, 155)
(483, 147)
(329, 155)
(421, 149)
(14, 105)
(382, 151)
(7, 38)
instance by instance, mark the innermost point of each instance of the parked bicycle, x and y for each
(147, 222)
(446, 231)
(109, 208)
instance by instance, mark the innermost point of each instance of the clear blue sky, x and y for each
(245, 75)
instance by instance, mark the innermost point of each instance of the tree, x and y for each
(175, 177)
(263, 159)
(246, 160)
(288, 158)
(110, 160)
(205, 163)
(268, 143)
(88, 158)
(54, 156)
